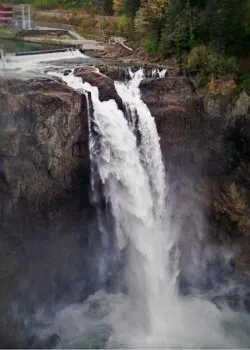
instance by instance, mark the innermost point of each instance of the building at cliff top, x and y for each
(19, 19)
(6, 14)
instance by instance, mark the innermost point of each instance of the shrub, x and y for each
(211, 63)
(197, 58)
(126, 26)
(244, 81)
(46, 4)
(150, 44)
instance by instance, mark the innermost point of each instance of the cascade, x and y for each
(149, 145)
(157, 73)
(151, 313)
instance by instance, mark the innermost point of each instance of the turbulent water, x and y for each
(37, 64)
(150, 313)
(147, 310)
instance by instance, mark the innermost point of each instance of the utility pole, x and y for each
(23, 16)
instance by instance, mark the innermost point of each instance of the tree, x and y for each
(150, 18)
(223, 24)
(131, 7)
(118, 6)
(126, 7)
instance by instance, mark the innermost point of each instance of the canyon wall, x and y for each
(48, 230)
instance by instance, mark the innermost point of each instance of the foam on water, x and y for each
(35, 62)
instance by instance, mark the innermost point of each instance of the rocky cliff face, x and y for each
(46, 217)
(206, 145)
(43, 150)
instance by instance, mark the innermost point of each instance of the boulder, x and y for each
(114, 72)
(104, 83)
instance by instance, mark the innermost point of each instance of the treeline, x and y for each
(173, 27)
(210, 35)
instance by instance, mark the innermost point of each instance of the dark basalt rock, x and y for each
(42, 123)
(67, 72)
(45, 213)
(105, 84)
(46, 226)
(114, 72)
(205, 142)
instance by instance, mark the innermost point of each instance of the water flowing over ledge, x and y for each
(138, 263)
(151, 314)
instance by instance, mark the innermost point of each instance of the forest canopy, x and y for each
(174, 27)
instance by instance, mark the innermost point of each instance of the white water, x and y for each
(149, 146)
(152, 314)
(25, 63)
(157, 73)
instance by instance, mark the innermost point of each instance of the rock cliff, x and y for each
(44, 204)
(205, 141)
(46, 216)
(43, 147)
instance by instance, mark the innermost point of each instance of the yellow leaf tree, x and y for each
(150, 17)
(118, 6)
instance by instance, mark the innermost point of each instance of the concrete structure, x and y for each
(23, 17)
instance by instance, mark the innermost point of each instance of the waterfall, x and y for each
(150, 313)
(149, 147)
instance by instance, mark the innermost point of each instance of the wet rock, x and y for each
(114, 72)
(178, 112)
(67, 72)
(40, 125)
(44, 190)
(104, 83)
(205, 141)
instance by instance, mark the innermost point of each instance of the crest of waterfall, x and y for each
(157, 73)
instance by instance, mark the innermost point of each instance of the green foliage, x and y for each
(149, 20)
(211, 63)
(150, 44)
(244, 81)
(126, 7)
(175, 37)
(126, 26)
(181, 25)
(46, 4)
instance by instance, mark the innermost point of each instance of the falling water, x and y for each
(157, 73)
(151, 314)
(149, 145)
